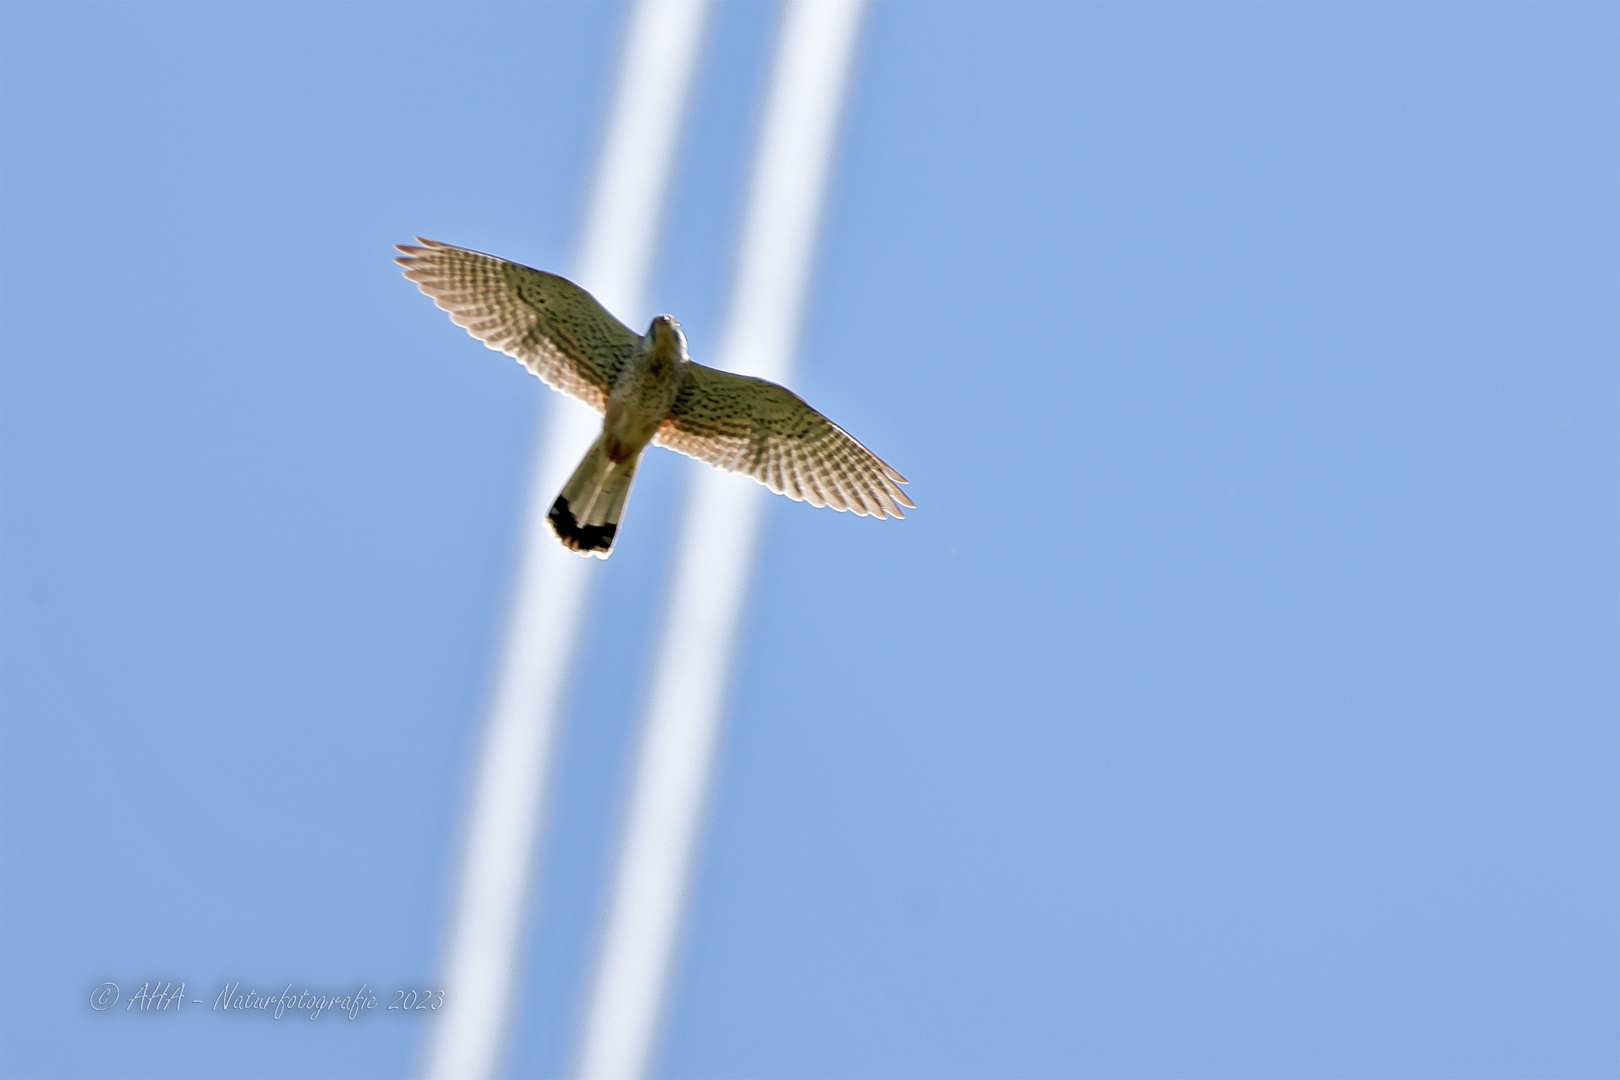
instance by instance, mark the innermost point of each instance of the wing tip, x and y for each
(423, 246)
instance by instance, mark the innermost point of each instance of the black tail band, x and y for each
(576, 536)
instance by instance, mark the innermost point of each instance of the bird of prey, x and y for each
(648, 390)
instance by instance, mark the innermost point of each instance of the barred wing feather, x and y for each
(756, 427)
(552, 326)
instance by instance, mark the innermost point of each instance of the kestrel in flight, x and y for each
(648, 390)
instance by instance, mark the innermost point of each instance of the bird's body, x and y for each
(645, 390)
(586, 514)
(648, 390)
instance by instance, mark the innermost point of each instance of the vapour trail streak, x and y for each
(715, 552)
(508, 798)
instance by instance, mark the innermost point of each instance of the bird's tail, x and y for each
(586, 514)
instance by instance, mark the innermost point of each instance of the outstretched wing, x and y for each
(767, 431)
(552, 326)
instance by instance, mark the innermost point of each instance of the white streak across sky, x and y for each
(505, 815)
(715, 551)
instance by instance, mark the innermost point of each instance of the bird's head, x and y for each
(664, 337)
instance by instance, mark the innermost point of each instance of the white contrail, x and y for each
(715, 552)
(507, 803)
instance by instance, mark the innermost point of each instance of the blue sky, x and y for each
(1240, 701)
